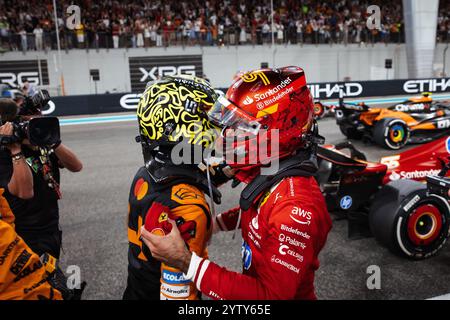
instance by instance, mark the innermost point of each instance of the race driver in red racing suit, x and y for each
(282, 237)
(282, 214)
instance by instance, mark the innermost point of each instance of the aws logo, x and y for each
(299, 215)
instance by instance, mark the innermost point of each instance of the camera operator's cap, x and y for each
(7, 94)
(174, 108)
(14, 94)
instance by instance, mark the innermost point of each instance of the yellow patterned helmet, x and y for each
(173, 109)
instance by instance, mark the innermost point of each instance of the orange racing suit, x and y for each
(148, 279)
(22, 275)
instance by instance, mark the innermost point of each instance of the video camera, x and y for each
(33, 105)
(40, 131)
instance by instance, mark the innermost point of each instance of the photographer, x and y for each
(37, 219)
(21, 182)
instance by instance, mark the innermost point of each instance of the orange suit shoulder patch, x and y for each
(187, 194)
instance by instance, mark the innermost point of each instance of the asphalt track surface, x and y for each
(94, 212)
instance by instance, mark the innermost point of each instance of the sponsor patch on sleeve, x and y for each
(171, 277)
(175, 292)
(301, 216)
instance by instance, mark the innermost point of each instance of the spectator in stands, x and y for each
(131, 29)
(139, 29)
(280, 32)
(358, 33)
(153, 33)
(146, 34)
(197, 22)
(4, 30)
(38, 33)
(315, 30)
(115, 31)
(266, 32)
(192, 35)
(80, 35)
(197, 27)
(299, 28)
(208, 31)
(214, 33)
(220, 33)
(23, 39)
(159, 41)
(242, 34)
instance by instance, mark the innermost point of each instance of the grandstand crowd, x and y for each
(29, 24)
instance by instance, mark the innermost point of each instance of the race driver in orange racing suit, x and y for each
(284, 219)
(170, 109)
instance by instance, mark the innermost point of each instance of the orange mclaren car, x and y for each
(416, 120)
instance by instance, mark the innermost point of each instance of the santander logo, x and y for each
(248, 100)
(394, 176)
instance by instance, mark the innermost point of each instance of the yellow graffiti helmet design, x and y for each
(174, 108)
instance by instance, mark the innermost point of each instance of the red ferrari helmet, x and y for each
(261, 106)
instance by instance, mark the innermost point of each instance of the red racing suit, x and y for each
(283, 233)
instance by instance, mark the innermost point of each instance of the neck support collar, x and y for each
(303, 164)
(167, 175)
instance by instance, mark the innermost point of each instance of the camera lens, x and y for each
(41, 134)
(44, 131)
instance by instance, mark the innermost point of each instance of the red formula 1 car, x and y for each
(389, 199)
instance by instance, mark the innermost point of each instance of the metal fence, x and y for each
(229, 37)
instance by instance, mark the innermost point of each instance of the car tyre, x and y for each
(319, 110)
(391, 133)
(408, 220)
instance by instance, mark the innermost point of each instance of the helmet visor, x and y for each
(226, 114)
